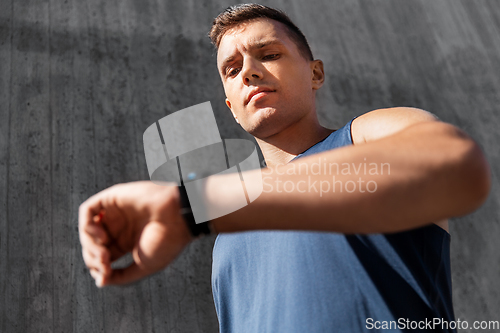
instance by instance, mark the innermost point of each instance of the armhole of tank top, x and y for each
(215, 244)
(440, 230)
(350, 130)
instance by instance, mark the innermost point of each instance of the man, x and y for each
(385, 256)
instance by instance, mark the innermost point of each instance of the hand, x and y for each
(139, 217)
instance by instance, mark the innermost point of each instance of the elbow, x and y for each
(474, 175)
(480, 172)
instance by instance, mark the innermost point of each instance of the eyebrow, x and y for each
(253, 46)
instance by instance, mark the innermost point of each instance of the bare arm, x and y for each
(436, 172)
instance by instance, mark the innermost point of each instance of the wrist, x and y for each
(195, 229)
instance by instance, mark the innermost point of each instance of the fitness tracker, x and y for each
(196, 229)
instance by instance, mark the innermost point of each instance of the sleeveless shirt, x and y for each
(300, 281)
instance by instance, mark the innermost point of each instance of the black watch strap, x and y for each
(196, 229)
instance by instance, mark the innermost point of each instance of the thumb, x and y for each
(153, 253)
(132, 273)
(125, 275)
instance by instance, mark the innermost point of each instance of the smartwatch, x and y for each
(196, 229)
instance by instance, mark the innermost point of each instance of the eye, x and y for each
(271, 57)
(232, 71)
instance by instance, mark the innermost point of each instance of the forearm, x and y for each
(436, 172)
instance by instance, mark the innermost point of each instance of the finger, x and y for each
(130, 274)
(98, 261)
(93, 245)
(97, 233)
(86, 213)
(98, 277)
(90, 208)
(98, 218)
(92, 233)
(126, 275)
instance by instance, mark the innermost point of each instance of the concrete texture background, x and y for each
(81, 80)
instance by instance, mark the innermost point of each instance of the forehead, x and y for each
(252, 34)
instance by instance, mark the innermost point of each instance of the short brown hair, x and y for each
(234, 15)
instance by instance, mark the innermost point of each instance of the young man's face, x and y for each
(269, 85)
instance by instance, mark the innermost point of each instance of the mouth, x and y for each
(260, 93)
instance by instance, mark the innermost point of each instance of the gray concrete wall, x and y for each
(81, 80)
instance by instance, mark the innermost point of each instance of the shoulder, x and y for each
(380, 123)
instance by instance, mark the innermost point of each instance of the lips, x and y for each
(255, 92)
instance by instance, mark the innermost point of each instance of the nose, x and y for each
(251, 71)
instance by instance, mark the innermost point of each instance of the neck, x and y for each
(280, 148)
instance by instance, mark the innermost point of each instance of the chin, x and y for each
(264, 124)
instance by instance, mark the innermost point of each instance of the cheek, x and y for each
(295, 76)
(232, 94)
(301, 80)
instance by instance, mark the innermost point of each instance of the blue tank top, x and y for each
(296, 281)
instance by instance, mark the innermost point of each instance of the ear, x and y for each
(317, 74)
(228, 103)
